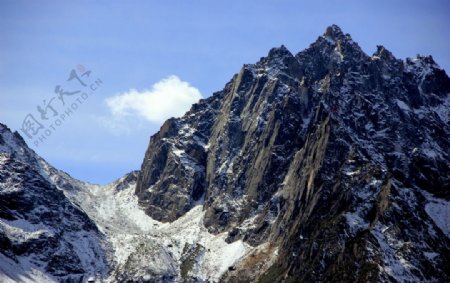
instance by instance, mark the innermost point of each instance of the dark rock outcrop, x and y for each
(334, 156)
(40, 228)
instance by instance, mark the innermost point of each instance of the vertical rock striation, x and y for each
(337, 158)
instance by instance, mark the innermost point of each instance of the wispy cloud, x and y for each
(170, 97)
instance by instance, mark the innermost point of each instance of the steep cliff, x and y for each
(44, 237)
(338, 159)
(329, 165)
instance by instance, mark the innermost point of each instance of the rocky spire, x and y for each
(335, 33)
(383, 53)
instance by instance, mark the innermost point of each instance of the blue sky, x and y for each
(154, 58)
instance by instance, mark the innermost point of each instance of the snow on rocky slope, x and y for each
(328, 165)
(43, 236)
(47, 218)
(326, 154)
(142, 248)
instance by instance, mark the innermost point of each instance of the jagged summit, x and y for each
(279, 52)
(383, 53)
(335, 33)
(424, 60)
(327, 144)
(44, 237)
(326, 166)
(278, 56)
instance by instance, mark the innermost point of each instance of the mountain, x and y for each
(54, 228)
(325, 165)
(338, 159)
(43, 236)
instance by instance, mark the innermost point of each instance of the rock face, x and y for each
(43, 236)
(339, 159)
(325, 166)
(54, 228)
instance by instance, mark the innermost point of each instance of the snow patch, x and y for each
(22, 271)
(393, 263)
(352, 173)
(439, 211)
(430, 255)
(402, 105)
(154, 246)
(355, 222)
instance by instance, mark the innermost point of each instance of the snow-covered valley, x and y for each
(124, 244)
(181, 249)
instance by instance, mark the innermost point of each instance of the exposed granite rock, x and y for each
(331, 155)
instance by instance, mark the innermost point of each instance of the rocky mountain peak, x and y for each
(430, 78)
(332, 53)
(334, 33)
(336, 40)
(383, 53)
(279, 52)
(13, 144)
(327, 144)
(326, 166)
(40, 229)
(278, 61)
(424, 63)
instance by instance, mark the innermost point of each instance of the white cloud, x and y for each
(170, 97)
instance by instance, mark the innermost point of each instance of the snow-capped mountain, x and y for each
(338, 159)
(326, 165)
(43, 236)
(54, 228)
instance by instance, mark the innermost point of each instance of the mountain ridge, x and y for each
(328, 103)
(325, 165)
